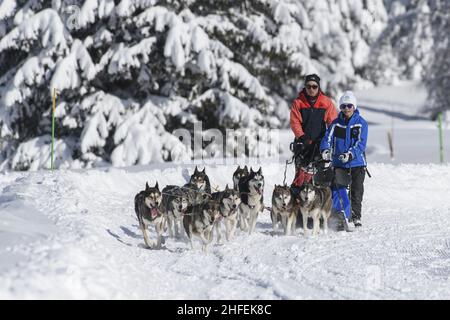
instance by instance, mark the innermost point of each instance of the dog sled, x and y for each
(320, 171)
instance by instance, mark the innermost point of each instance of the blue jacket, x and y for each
(347, 136)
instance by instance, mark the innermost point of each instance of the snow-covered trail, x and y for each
(78, 238)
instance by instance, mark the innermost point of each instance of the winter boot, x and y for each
(357, 222)
(344, 224)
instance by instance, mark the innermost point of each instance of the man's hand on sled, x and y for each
(346, 157)
(304, 139)
(299, 145)
(326, 155)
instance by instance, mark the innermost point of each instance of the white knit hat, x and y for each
(348, 98)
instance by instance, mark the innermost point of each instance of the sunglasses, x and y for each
(346, 106)
(314, 86)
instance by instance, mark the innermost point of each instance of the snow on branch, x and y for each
(105, 112)
(35, 154)
(183, 37)
(119, 60)
(238, 72)
(45, 26)
(289, 37)
(299, 60)
(236, 112)
(141, 139)
(148, 114)
(93, 9)
(7, 8)
(178, 36)
(214, 23)
(29, 75)
(283, 12)
(126, 8)
(66, 75)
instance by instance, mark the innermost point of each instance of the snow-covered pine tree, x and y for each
(416, 45)
(437, 74)
(29, 48)
(121, 67)
(280, 41)
(129, 72)
(405, 48)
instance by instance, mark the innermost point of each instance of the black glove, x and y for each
(303, 139)
(298, 147)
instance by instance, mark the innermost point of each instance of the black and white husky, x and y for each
(251, 189)
(316, 203)
(198, 187)
(148, 212)
(284, 209)
(174, 205)
(229, 201)
(238, 175)
(200, 222)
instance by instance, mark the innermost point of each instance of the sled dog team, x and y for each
(200, 212)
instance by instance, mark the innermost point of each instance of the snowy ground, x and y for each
(73, 234)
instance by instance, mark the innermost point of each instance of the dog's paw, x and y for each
(145, 246)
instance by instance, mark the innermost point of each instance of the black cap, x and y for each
(312, 77)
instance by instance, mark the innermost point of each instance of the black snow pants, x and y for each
(354, 178)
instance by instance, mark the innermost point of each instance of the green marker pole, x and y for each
(441, 138)
(53, 127)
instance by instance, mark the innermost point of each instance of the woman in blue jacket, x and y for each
(344, 143)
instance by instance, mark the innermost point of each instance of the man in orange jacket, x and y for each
(311, 113)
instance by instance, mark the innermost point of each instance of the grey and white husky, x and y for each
(238, 175)
(251, 189)
(174, 205)
(198, 187)
(315, 202)
(229, 201)
(284, 209)
(148, 212)
(200, 222)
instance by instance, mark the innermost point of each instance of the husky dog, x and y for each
(147, 208)
(251, 189)
(175, 205)
(229, 201)
(238, 175)
(315, 202)
(200, 222)
(198, 187)
(284, 209)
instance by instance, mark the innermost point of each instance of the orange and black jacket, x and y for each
(312, 121)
